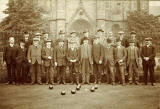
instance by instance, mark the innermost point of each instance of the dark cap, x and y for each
(100, 30)
(22, 40)
(48, 40)
(132, 32)
(61, 32)
(85, 31)
(73, 32)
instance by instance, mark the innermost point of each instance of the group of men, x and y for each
(85, 56)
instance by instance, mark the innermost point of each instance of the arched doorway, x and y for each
(80, 25)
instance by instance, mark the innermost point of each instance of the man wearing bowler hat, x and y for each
(133, 62)
(148, 53)
(35, 59)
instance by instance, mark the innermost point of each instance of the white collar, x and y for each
(11, 45)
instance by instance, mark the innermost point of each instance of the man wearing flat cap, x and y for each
(133, 62)
(124, 41)
(86, 60)
(47, 56)
(74, 38)
(133, 37)
(35, 59)
(60, 60)
(120, 59)
(102, 38)
(148, 53)
(98, 55)
(109, 61)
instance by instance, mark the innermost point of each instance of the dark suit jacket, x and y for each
(109, 56)
(98, 53)
(60, 55)
(45, 53)
(71, 55)
(89, 53)
(148, 52)
(125, 42)
(10, 54)
(21, 56)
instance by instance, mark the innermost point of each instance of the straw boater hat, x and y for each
(35, 39)
(132, 32)
(148, 39)
(121, 32)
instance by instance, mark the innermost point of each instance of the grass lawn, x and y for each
(105, 97)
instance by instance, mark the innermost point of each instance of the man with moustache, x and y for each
(148, 53)
(10, 54)
(35, 59)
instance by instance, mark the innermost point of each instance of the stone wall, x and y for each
(98, 13)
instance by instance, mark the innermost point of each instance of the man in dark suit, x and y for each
(73, 62)
(10, 53)
(21, 63)
(148, 54)
(86, 60)
(109, 61)
(60, 60)
(28, 42)
(98, 54)
(47, 56)
(35, 59)
(133, 62)
(120, 59)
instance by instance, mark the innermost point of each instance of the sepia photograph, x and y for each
(79, 54)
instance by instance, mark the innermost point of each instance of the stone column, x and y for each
(61, 15)
(53, 26)
(101, 15)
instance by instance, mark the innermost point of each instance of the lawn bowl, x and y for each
(63, 92)
(73, 91)
(79, 85)
(78, 88)
(50, 86)
(96, 87)
(92, 89)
